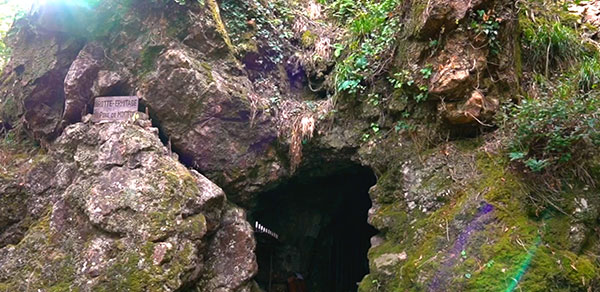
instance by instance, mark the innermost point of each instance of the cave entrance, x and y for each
(323, 232)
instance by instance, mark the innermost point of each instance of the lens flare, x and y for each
(479, 221)
(524, 265)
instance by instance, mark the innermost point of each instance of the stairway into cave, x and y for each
(323, 231)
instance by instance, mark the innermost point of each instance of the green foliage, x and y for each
(404, 80)
(487, 24)
(374, 130)
(550, 40)
(423, 94)
(343, 9)
(404, 126)
(370, 46)
(555, 130)
(589, 74)
(373, 99)
(400, 79)
(250, 23)
(427, 71)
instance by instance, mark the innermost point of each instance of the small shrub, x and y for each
(370, 45)
(554, 131)
(403, 80)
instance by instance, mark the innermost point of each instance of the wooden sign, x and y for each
(114, 108)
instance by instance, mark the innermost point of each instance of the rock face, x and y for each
(443, 15)
(230, 260)
(242, 91)
(125, 215)
(79, 81)
(205, 109)
(193, 86)
(32, 94)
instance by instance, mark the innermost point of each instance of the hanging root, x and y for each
(302, 130)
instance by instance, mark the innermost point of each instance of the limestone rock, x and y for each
(13, 209)
(206, 111)
(107, 83)
(589, 11)
(456, 68)
(131, 217)
(442, 15)
(32, 90)
(388, 260)
(231, 259)
(79, 81)
(477, 108)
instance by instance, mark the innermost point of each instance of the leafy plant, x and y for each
(365, 137)
(372, 38)
(536, 165)
(487, 24)
(423, 94)
(375, 128)
(373, 99)
(398, 80)
(404, 80)
(403, 126)
(427, 71)
(554, 131)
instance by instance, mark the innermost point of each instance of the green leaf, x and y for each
(516, 155)
(536, 165)
(361, 62)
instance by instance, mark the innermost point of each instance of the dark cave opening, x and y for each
(323, 232)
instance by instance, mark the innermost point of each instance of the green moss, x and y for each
(308, 39)
(9, 110)
(516, 241)
(511, 242)
(178, 27)
(6, 286)
(148, 57)
(369, 284)
(416, 21)
(38, 230)
(392, 222)
(208, 68)
(63, 286)
(124, 275)
(194, 227)
(214, 8)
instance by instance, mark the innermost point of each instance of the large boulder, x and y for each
(206, 111)
(131, 217)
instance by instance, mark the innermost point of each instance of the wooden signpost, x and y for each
(114, 108)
